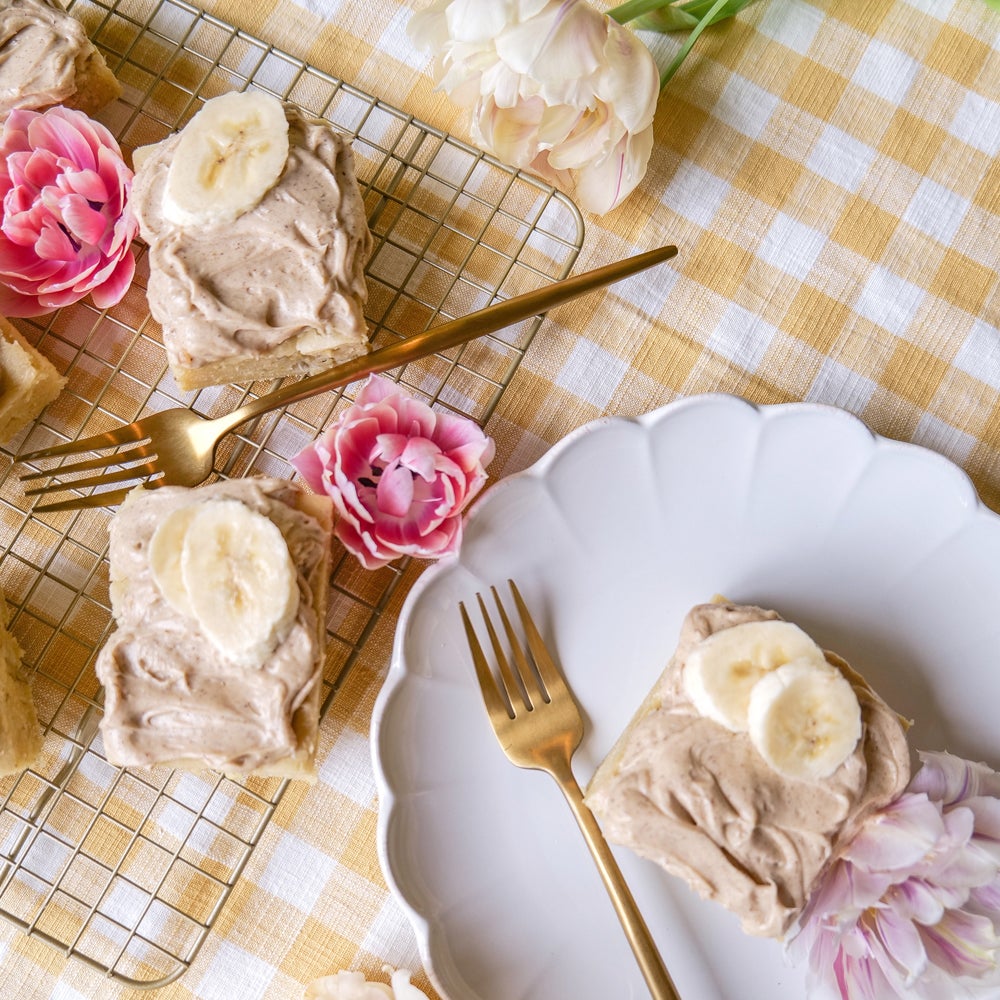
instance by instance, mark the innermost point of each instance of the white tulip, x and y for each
(555, 87)
(353, 986)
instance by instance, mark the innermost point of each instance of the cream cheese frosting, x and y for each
(170, 695)
(698, 799)
(40, 46)
(286, 275)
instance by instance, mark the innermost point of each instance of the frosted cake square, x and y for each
(258, 240)
(219, 596)
(28, 382)
(47, 59)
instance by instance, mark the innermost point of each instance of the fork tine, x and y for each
(512, 685)
(110, 499)
(101, 462)
(136, 472)
(107, 439)
(495, 703)
(551, 677)
(534, 691)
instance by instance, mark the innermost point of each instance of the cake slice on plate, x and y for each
(750, 764)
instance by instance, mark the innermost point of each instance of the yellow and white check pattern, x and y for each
(830, 172)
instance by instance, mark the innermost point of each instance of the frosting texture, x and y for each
(40, 45)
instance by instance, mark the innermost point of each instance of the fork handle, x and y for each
(447, 335)
(655, 973)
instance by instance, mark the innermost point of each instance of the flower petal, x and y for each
(962, 944)
(85, 223)
(67, 222)
(903, 944)
(54, 244)
(899, 836)
(396, 492)
(556, 87)
(113, 288)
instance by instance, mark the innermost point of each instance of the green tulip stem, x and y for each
(689, 42)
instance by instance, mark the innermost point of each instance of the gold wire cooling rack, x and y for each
(125, 870)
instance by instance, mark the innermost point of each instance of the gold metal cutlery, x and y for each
(538, 724)
(177, 446)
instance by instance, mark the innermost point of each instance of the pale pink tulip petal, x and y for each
(88, 184)
(116, 284)
(395, 491)
(962, 944)
(85, 223)
(935, 923)
(562, 42)
(902, 944)
(54, 244)
(420, 456)
(391, 446)
(899, 836)
(629, 81)
(311, 465)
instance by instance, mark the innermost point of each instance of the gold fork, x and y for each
(177, 447)
(538, 724)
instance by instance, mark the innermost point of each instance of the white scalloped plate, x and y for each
(881, 550)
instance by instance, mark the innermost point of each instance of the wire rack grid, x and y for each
(128, 870)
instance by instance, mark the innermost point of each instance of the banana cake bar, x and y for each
(219, 596)
(258, 240)
(750, 764)
(20, 737)
(28, 382)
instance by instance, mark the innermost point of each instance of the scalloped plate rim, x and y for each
(440, 966)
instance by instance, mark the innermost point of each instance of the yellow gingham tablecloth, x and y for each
(830, 173)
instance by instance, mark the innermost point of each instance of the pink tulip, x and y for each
(911, 910)
(67, 223)
(399, 473)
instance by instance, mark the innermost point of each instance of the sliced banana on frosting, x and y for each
(165, 549)
(769, 679)
(229, 156)
(804, 719)
(722, 669)
(229, 568)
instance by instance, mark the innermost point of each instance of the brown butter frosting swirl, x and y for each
(40, 45)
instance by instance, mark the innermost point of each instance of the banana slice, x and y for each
(721, 670)
(804, 719)
(229, 156)
(229, 568)
(165, 549)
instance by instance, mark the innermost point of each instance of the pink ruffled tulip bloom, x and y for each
(67, 223)
(400, 474)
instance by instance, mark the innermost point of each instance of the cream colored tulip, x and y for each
(556, 88)
(353, 986)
